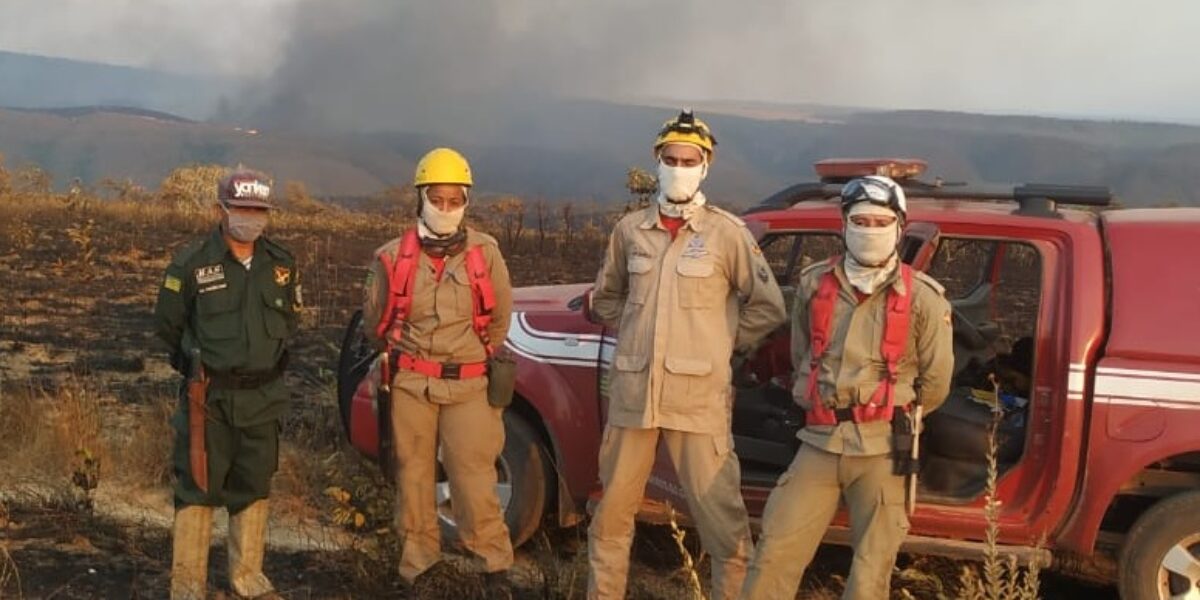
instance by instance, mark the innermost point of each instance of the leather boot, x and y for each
(189, 552)
(247, 542)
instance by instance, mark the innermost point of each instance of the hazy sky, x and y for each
(1105, 58)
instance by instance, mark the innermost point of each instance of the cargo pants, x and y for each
(471, 433)
(711, 478)
(241, 459)
(803, 504)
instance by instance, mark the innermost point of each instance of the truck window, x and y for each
(994, 289)
(788, 253)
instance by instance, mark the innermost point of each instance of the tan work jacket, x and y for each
(680, 309)
(853, 367)
(439, 327)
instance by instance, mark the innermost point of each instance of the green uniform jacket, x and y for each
(239, 319)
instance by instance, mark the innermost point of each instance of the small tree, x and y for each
(541, 214)
(568, 219)
(509, 213)
(192, 187)
(124, 190)
(297, 199)
(32, 180)
(642, 187)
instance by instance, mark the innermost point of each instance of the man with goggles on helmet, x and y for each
(871, 339)
(685, 285)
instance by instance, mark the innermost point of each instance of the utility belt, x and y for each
(235, 379)
(438, 370)
(904, 435)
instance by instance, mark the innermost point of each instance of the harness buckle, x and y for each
(451, 371)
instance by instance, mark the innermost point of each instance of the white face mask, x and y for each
(441, 222)
(680, 184)
(679, 194)
(871, 246)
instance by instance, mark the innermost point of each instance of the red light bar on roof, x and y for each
(849, 168)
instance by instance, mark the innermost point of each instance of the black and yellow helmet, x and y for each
(686, 129)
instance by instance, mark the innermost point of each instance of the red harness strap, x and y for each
(402, 275)
(895, 341)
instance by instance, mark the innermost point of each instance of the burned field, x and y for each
(85, 394)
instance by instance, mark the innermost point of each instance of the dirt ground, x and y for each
(85, 394)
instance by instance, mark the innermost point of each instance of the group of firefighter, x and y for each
(690, 295)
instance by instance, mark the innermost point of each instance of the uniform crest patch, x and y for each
(282, 275)
(695, 248)
(210, 274)
(173, 283)
(763, 274)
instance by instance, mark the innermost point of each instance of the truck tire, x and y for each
(525, 478)
(1161, 554)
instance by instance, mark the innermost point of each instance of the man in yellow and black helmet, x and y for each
(685, 286)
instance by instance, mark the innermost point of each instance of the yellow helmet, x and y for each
(686, 129)
(443, 165)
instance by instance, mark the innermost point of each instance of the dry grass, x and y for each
(999, 577)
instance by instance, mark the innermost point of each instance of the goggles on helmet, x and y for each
(871, 190)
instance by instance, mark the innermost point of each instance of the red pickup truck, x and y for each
(1090, 322)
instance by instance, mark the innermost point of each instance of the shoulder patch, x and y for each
(173, 283)
(185, 254)
(929, 281)
(736, 220)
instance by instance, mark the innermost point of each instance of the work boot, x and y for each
(498, 585)
(247, 541)
(189, 552)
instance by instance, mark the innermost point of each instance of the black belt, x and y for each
(843, 414)
(245, 380)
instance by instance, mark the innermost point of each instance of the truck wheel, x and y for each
(1161, 555)
(524, 477)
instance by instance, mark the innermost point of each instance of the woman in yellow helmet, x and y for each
(439, 299)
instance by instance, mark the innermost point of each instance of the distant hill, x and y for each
(581, 149)
(28, 81)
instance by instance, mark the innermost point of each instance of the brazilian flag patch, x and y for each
(173, 283)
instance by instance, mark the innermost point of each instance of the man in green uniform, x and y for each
(226, 307)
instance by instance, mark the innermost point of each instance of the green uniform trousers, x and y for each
(803, 504)
(241, 462)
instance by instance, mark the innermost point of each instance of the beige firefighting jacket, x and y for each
(680, 309)
(439, 328)
(852, 367)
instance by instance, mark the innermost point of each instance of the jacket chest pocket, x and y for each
(217, 315)
(277, 313)
(699, 286)
(457, 284)
(641, 278)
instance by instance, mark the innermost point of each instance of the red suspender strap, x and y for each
(892, 348)
(401, 276)
(820, 315)
(483, 295)
(895, 341)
